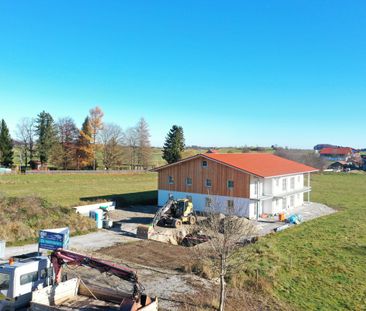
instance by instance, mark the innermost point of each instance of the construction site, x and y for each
(140, 258)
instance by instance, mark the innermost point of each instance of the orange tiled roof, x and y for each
(340, 150)
(261, 164)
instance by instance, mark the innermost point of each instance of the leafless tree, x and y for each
(226, 233)
(131, 141)
(111, 139)
(25, 132)
(303, 156)
(143, 143)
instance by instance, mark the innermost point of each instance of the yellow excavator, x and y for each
(175, 213)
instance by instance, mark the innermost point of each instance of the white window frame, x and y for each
(208, 186)
(189, 184)
(277, 179)
(232, 182)
(292, 183)
(292, 201)
(284, 184)
(230, 204)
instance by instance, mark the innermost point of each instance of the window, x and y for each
(189, 198)
(256, 186)
(284, 203)
(292, 182)
(284, 184)
(208, 202)
(292, 201)
(230, 184)
(170, 180)
(189, 181)
(4, 281)
(277, 181)
(204, 163)
(29, 278)
(208, 183)
(230, 203)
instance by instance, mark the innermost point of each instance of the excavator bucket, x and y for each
(146, 303)
(144, 232)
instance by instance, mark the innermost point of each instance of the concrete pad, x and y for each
(308, 211)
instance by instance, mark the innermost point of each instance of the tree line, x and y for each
(61, 144)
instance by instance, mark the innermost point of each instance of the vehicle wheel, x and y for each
(177, 223)
(192, 220)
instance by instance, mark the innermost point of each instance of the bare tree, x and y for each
(226, 233)
(303, 156)
(131, 141)
(96, 123)
(25, 132)
(143, 143)
(111, 138)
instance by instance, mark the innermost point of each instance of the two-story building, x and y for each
(337, 153)
(252, 183)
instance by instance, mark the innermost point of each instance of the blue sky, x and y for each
(232, 73)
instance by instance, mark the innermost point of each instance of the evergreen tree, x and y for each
(6, 146)
(85, 152)
(46, 132)
(174, 145)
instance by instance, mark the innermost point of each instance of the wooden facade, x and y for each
(218, 173)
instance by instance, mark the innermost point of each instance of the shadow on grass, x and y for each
(128, 199)
(359, 250)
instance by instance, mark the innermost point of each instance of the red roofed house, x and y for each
(336, 154)
(253, 183)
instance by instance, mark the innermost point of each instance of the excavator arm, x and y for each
(60, 257)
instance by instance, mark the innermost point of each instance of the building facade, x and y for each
(251, 184)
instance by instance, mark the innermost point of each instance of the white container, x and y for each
(2, 249)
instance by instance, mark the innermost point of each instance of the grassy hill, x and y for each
(318, 265)
(23, 217)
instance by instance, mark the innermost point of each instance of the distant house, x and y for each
(336, 154)
(340, 166)
(252, 183)
(319, 147)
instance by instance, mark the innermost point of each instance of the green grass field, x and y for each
(320, 265)
(74, 189)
